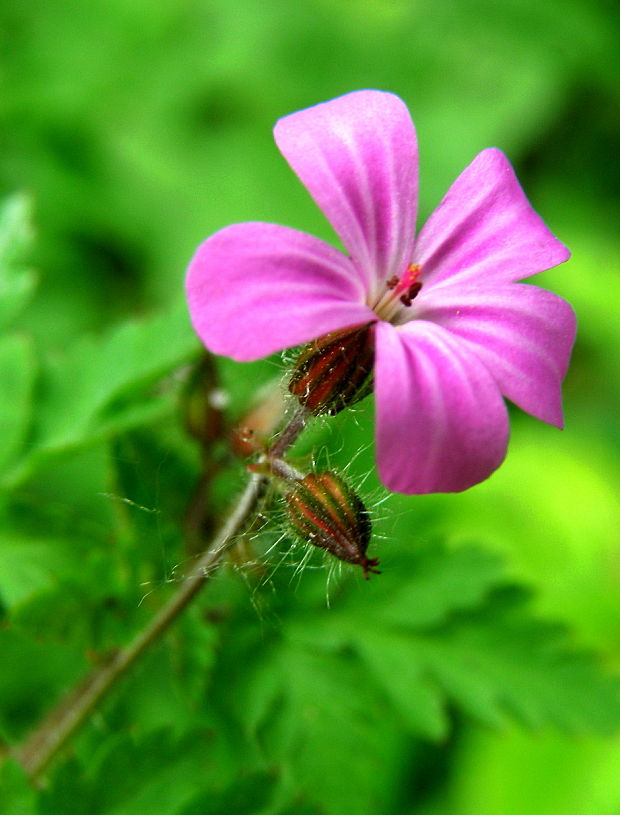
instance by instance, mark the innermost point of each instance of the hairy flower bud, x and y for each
(326, 512)
(335, 371)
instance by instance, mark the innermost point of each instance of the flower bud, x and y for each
(335, 371)
(325, 511)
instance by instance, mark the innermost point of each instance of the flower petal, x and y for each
(485, 228)
(442, 425)
(358, 157)
(523, 334)
(256, 288)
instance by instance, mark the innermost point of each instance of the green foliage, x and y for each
(104, 386)
(17, 795)
(16, 282)
(17, 373)
(334, 682)
(440, 686)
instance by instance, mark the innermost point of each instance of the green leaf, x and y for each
(409, 688)
(247, 796)
(17, 794)
(26, 568)
(16, 283)
(500, 663)
(29, 566)
(495, 662)
(100, 383)
(34, 675)
(440, 582)
(160, 775)
(327, 727)
(17, 374)
(469, 643)
(100, 387)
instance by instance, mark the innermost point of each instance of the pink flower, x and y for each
(454, 331)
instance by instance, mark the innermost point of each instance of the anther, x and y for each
(411, 293)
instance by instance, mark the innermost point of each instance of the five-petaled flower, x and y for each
(453, 329)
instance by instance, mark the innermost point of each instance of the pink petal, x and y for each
(486, 229)
(442, 425)
(523, 334)
(358, 157)
(256, 288)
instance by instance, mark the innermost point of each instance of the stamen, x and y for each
(406, 299)
(398, 292)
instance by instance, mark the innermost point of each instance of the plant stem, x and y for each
(289, 434)
(56, 730)
(73, 712)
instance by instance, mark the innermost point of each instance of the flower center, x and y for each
(399, 292)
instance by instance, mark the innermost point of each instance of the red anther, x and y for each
(413, 290)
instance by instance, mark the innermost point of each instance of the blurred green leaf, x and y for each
(17, 375)
(16, 283)
(472, 646)
(103, 386)
(160, 774)
(498, 664)
(537, 773)
(439, 582)
(34, 674)
(29, 567)
(247, 796)
(17, 795)
(314, 713)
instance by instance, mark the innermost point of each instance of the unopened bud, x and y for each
(335, 371)
(326, 512)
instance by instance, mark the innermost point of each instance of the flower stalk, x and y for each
(37, 752)
(56, 730)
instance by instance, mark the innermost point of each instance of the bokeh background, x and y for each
(129, 131)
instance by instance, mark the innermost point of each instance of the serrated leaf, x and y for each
(440, 582)
(471, 644)
(495, 663)
(103, 386)
(412, 692)
(17, 374)
(501, 663)
(97, 383)
(160, 775)
(329, 729)
(16, 283)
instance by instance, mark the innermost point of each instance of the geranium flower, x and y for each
(453, 330)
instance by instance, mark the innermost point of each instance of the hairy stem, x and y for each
(56, 730)
(40, 748)
(289, 434)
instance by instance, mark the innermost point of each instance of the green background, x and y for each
(131, 130)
